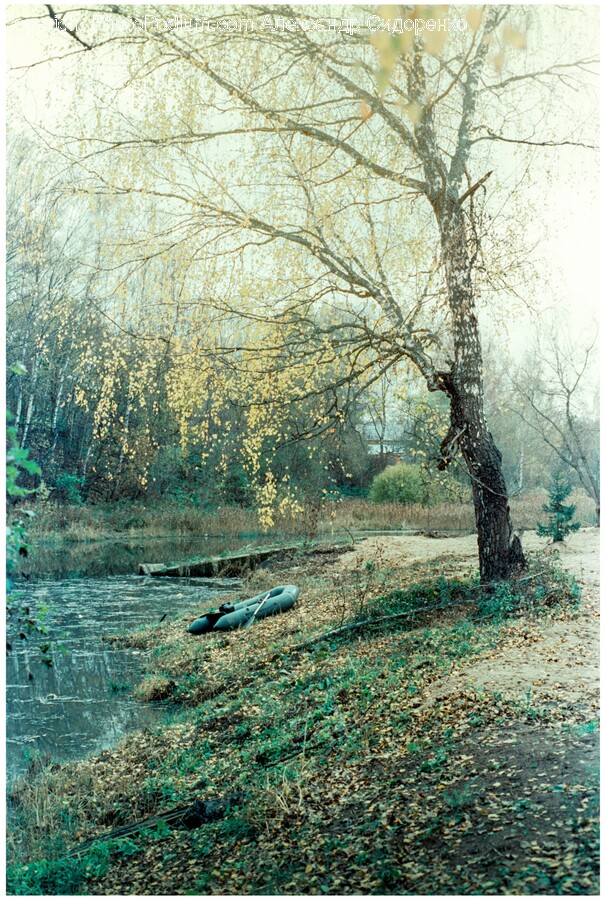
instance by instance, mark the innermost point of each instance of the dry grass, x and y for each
(526, 511)
(364, 515)
(285, 790)
(85, 798)
(88, 523)
(43, 800)
(154, 687)
(81, 523)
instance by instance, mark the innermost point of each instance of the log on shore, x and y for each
(196, 814)
(226, 566)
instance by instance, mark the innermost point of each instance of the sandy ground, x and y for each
(547, 664)
(579, 553)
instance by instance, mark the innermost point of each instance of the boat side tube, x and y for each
(235, 615)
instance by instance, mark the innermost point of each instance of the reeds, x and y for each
(88, 523)
(362, 515)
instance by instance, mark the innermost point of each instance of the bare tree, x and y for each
(556, 390)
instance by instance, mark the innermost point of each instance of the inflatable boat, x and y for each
(236, 615)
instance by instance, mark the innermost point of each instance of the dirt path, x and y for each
(579, 553)
(544, 664)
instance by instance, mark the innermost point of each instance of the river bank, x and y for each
(452, 750)
(60, 523)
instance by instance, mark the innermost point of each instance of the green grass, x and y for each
(59, 875)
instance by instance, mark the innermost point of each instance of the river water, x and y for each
(82, 704)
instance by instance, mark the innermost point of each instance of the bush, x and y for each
(235, 488)
(411, 484)
(403, 483)
(68, 488)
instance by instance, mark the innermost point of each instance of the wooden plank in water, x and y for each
(150, 568)
(233, 564)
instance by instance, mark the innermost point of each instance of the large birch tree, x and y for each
(323, 191)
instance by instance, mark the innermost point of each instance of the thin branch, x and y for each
(472, 190)
(556, 70)
(72, 34)
(492, 136)
(364, 623)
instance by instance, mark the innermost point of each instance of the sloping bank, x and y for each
(381, 759)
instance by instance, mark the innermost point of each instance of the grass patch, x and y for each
(544, 586)
(60, 875)
(155, 687)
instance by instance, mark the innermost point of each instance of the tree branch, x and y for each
(492, 136)
(472, 190)
(72, 34)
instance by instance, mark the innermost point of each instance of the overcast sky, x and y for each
(563, 207)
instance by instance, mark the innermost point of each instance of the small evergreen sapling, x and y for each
(560, 516)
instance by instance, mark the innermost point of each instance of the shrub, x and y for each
(68, 488)
(403, 483)
(411, 484)
(235, 487)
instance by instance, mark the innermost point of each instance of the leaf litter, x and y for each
(453, 757)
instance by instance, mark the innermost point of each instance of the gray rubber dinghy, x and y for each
(237, 615)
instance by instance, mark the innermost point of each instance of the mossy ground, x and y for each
(347, 775)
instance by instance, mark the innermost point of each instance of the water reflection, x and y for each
(122, 557)
(78, 706)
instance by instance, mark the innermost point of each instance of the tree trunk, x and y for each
(19, 409)
(55, 419)
(31, 403)
(500, 552)
(123, 445)
(87, 458)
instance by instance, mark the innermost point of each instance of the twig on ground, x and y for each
(409, 613)
(376, 621)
